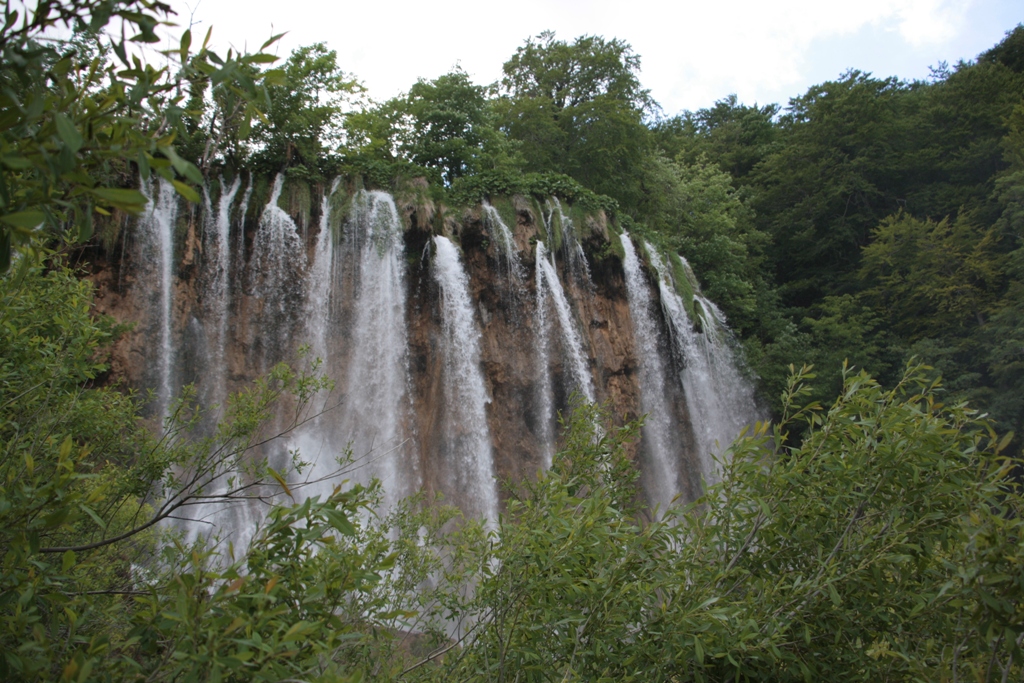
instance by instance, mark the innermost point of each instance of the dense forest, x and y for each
(864, 242)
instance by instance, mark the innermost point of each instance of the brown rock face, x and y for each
(222, 343)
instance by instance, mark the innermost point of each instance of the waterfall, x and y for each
(660, 436)
(156, 232)
(562, 237)
(279, 256)
(320, 282)
(545, 401)
(220, 290)
(572, 342)
(466, 444)
(414, 356)
(370, 421)
(720, 400)
(549, 289)
(239, 248)
(501, 235)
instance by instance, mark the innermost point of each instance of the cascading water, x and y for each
(562, 232)
(320, 282)
(370, 421)
(660, 434)
(239, 248)
(551, 295)
(501, 234)
(220, 289)
(720, 400)
(549, 288)
(279, 255)
(466, 444)
(156, 232)
(411, 403)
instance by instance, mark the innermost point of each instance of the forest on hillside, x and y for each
(870, 227)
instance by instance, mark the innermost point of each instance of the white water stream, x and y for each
(156, 232)
(720, 400)
(662, 441)
(466, 444)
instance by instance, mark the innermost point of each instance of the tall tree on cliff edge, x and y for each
(579, 109)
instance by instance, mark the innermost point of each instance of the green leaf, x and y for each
(68, 560)
(275, 77)
(186, 43)
(295, 631)
(271, 41)
(26, 220)
(85, 226)
(834, 595)
(129, 200)
(17, 163)
(193, 173)
(261, 58)
(186, 191)
(68, 133)
(143, 162)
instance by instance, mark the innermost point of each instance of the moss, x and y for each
(297, 200)
(507, 210)
(614, 244)
(581, 218)
(261, 187)
(538, 217)
(686, 287)
(417, 194)
(339, 205)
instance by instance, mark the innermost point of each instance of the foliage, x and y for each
(853, 554)
(734, 136)
(842, 556)
(302, 122)
(73, 123)
(578, 109)
(700, 215)
(539, 185)
(453, 127)
(94, 584)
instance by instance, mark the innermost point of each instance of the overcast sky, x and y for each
(693, 53)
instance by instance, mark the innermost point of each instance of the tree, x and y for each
(452, 127)
(73, 126)
(735, 136)
(832, 178)
(303, 121)
(882, 545)
(579, 109)
(446, 126)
